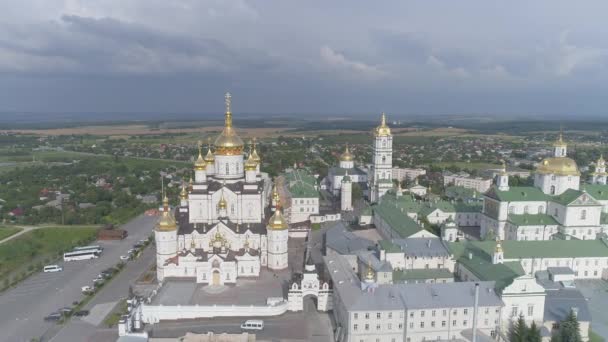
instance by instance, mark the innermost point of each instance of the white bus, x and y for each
(80, 255)
(252, 324)
(97, 249)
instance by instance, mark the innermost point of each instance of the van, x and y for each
(52, 268)
(252, 325)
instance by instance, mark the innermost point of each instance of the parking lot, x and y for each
(44, 293)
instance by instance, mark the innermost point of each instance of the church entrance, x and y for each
(216, 278)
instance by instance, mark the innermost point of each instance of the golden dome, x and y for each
(250, 164)
(222, 204)
(167, 221)
(370, 272)
(200, 164)
(254, 154)
(561, 166)
(228, 142)
(346, 156)
(277, 221)
(184, 193)
(498, 248)
(383, 130)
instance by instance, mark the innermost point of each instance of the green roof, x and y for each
(462, 207)
(532, 220)
(397, 220)
(301, 184)
(515, 249)
(429, 207)
(517, 194)
(597, 191)
(567, 197)
(389, 246)
(431, 273)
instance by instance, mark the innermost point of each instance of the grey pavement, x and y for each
(89, 328)
(596, 292)
(43, 293)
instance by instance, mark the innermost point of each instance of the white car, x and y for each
(86, 289)
(52, 268)
(124, 257)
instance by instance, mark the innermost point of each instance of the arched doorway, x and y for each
(216, 278)
(310, 303)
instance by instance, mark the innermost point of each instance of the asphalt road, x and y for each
(24, 307)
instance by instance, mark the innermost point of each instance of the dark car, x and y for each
(81, 313)
(65, 311)
(54, 317)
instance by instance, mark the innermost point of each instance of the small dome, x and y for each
(184, 193)
(222, 204)
(277, 221)
(250, 164)
(200, 164)
(346, 156)
(383, 130)
(254, 154)
(561, 166)
(167, 221)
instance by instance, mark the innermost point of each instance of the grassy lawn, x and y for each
(593, 337)
(29, 252)
(8, 231)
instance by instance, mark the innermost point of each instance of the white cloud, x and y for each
(340, 62)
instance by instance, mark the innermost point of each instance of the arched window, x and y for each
(526, 209)
(583, 214)
(553, 189)
(227, 169)
(541, 209)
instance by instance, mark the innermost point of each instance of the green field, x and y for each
(8, 231)
(29, 252)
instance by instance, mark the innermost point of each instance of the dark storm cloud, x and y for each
(314, 56)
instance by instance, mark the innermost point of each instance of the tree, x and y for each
(357, 193)
(533, 333)
(569, 329)
(519, 331)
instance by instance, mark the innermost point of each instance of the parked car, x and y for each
(125, 257)
(87, 289)
(52, 268)
(81, 313)
(53, 317)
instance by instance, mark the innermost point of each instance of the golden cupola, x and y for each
(222, 204)
(167, 221)
(561, 166)
(250, 164)
(254, 154)
(209, 158)
(383, 130)
(277, 220)
(346, 156)
(228, 142)
(560, 140)
(183, 195)
(200, 164)
(370, 272)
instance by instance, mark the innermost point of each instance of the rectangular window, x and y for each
(422, 324)
(367, 327)
(389, 326)
(411, 325)
(356, 315)
(390, 315)
(367, 316)
(464, 323)
(454, 323)
(466, 311)
(412, 314)
(530, 310)
(514, 311)
(422, 313)
(433, 313)
(443, 324)
(377, 326)
(355, 327)
(432, 324)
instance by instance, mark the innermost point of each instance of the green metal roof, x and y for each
(462, 207)
(389, 246)
(397, 220)
(514, 249)
(597, 191)
(301, 184)
(517, 194)
(532, 220)
(567, 197)
(419, 274)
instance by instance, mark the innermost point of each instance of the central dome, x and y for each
(228, 142)
(383, 130)
(560, 166)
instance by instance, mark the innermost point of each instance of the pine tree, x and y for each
(569, 329)
(533, 333)
(518, 331)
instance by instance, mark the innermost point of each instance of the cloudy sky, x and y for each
(542, 57)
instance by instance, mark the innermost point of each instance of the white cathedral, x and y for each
(225, 226)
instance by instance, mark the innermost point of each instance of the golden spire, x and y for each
(383, 130)
(209, 158)
(184, 193)
(504, 168)
(560, 139)
(200, 164)
(228, 116)
(254, 153)
(275, 193)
